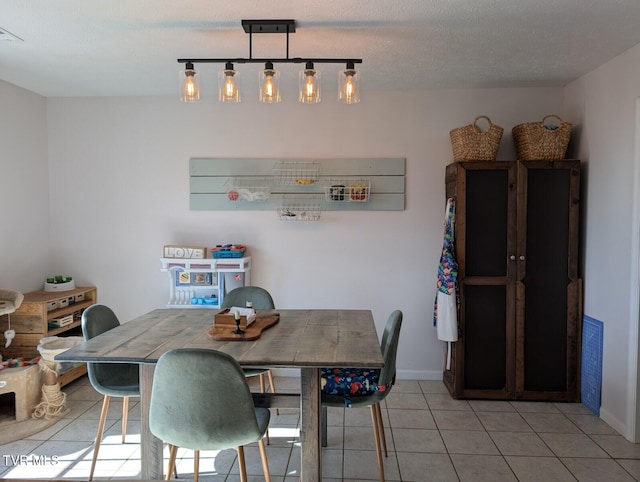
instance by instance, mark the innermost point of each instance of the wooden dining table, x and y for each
(304, 339)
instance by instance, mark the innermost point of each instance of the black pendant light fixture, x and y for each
(269, 77)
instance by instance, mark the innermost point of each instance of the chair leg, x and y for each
(376, 436)
(96, 447)
(263, 389)
(381, 425)
(241, 465)
(265, 463)
(273, 387)
(173, 451)
(196, 466)
(271, 384)
(125, 416)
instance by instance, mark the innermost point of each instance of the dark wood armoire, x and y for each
(516, 239)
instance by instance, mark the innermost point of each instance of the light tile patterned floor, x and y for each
(430, 437)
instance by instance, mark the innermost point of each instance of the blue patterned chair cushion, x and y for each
(351, 382)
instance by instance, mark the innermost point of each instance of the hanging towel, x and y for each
(445, 313)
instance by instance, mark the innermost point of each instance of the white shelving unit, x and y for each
(200, 283)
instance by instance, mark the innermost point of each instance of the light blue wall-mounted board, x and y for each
(211, 179)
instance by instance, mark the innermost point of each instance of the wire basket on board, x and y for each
(298, 173)
(347, 190)
(248, 189)
(300, 207)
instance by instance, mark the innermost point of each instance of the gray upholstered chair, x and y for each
(200, 400)
(108, 379)
(261, 300)
(337, 390)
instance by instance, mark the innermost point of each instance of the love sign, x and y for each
(185, 252)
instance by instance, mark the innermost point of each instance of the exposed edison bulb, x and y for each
(268, 87)
(190, 90)
(228, 88)
(189, 80)
(349, 88)
(269, 82)
(349, 81)
(309, 85)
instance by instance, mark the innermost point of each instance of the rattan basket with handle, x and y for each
(539, 141)
(469, 143)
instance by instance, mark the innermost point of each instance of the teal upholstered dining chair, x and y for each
(261, 300)
(358, 387)
(108, 379)
(200, 400)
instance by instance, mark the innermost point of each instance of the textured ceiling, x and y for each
(130, 47)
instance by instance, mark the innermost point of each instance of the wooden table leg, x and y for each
(310, 409)
(150, 446)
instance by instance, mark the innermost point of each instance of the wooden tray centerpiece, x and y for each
(252, 325)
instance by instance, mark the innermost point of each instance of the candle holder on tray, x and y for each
(237, 331)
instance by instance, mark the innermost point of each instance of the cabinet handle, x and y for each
(521, 258)
(512, 257)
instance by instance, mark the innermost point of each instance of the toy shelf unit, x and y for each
(296, 173)
(347, 190)
(299, 207)
(248, 189)
(203, 283)
(50, 313)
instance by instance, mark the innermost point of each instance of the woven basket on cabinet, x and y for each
(537, 141)
(469, 143)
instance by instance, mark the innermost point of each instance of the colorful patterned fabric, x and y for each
(18, 362)
(351, 382)
(447, 280)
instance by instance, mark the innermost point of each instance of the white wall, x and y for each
(24, 190)
(602, 105)
(119, 192)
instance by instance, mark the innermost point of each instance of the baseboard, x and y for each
(613, 422)
(419, 375)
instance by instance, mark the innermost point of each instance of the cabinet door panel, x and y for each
(546, 279)
(485, 337)
(486, 222)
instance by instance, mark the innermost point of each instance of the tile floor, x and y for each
(430, 437)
